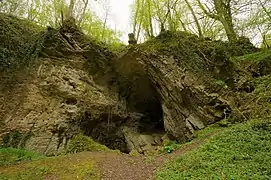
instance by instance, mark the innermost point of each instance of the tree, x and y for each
(71, 9)
(13, 7)
(195, 18)
(51, 13)
(265, 9)
(223, 13)
(84, 12)
(173, 15)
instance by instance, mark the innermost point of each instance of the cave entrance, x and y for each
(153, 121)
(108, 128)
(141, 97)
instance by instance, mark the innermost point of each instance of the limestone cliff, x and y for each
(67, 83)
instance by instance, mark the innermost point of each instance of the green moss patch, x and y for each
(62, 167)
(9, 156)
(240, 152)
(81, 143)
(19, 42)
(257, 104)
(15, 139)
(258, 56)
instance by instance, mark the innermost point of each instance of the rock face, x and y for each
(56, 102)
(173, 84)
(194, 81)
(61, 94)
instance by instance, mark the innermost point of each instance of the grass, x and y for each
(10, 156)
(67, 167)
(240, 152)
(171, 146)
(20, 164)
(258, 56)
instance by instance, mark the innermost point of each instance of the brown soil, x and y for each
(116, 166)
(126, 167)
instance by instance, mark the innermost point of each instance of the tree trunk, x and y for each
(71, 9)
(195, 18)
(84, 12)
(104, 23)
(228, 26)
(150, 18)
(224, 14)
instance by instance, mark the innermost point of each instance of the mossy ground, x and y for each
(65, 167)
(10, 156)
(242, 151)
(26, 165)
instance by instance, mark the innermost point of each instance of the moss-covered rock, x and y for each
(20, 42)
(81, 143)
(60, 94)
(15, 139)
(258, 64)
(185, 74)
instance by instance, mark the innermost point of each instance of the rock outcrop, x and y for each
(192, 79)
(62, 93)
(174, 84)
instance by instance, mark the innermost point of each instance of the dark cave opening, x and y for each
(107, 128)
(153, 122)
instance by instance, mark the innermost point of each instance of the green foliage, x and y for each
(18, 42)
(9, 156)
(240, 152)
(93, 27)
(258, 103)
(15, 139)
(81, 143)
(261, 125)
(170, 146)
(255, 57)
(220, 82)
(52, 13)
(201, 134)
(148, 17)
(266, 41)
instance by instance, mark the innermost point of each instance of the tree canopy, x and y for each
(51, 13)
(214, 19)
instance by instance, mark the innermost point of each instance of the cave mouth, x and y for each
(108, 128)
(153, 121)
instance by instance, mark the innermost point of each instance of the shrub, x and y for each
(170, 146)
